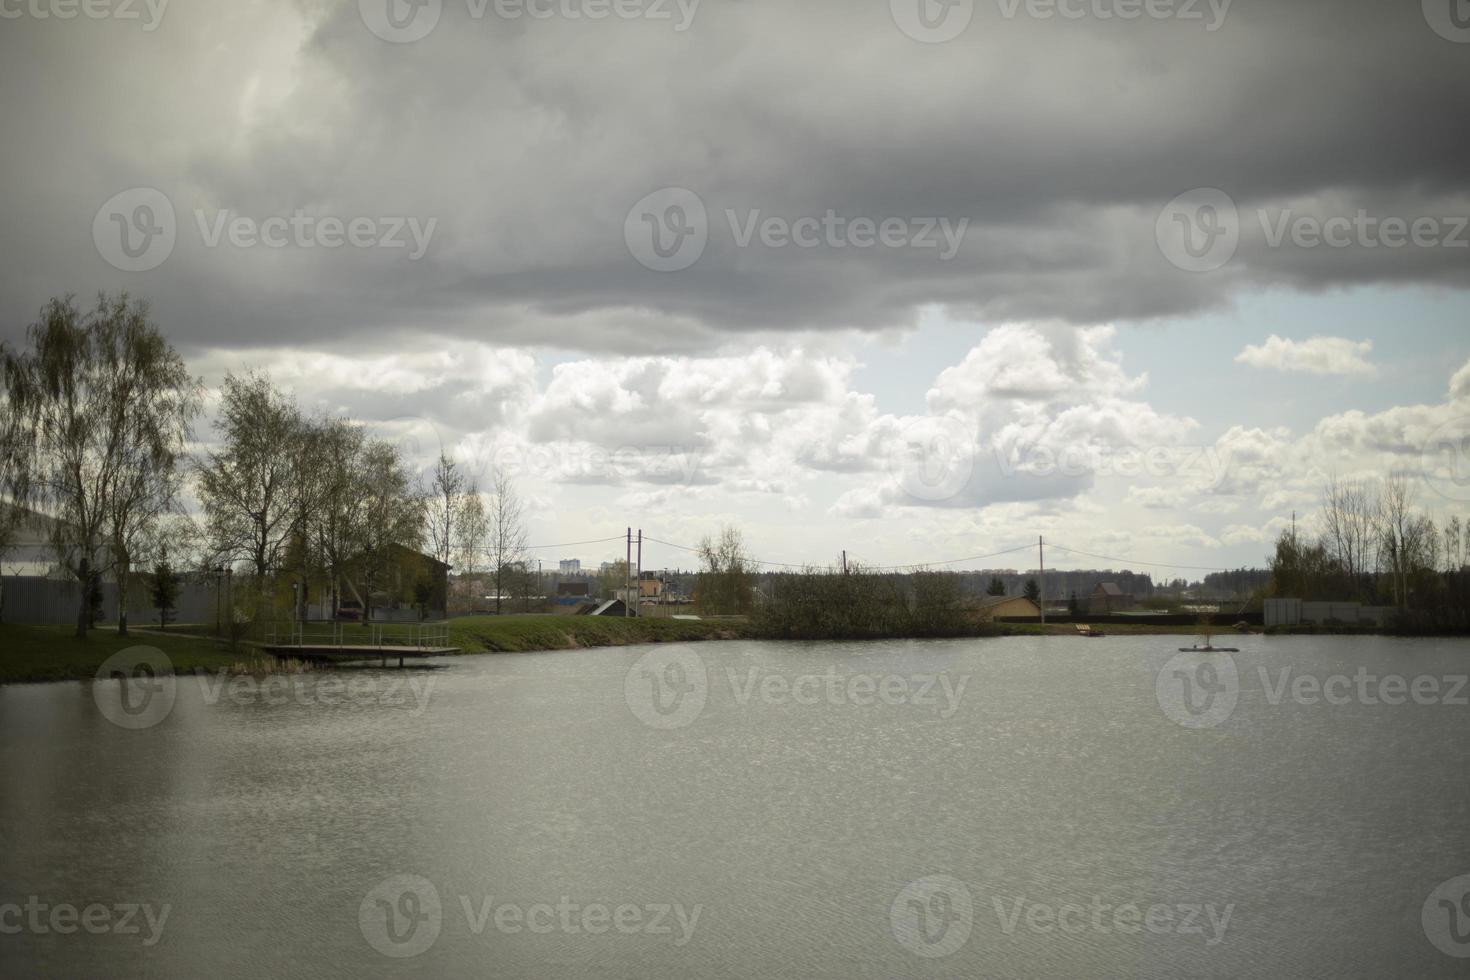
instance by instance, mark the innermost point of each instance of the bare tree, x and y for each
(15, 467)
(143, 498)
(507, 540)
(444, 504)
(612, 579)
(1406, 539)
(1350, 519)
(390, 519)
(307, 491)
(108, 404)
(472, 532)
(246, 487)
(334, 526)
(724, 586)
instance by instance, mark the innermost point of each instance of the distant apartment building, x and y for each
(571, 566)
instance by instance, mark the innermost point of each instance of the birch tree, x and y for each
(444, 506)
(247, 486)
(724, 586)
(107, 403)
(15, 467)
(1350, 527)
(507, 539)
(1407, 539)
(334, 527)
(472, 532)
(389, 520)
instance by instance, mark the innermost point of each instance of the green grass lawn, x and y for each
(526, 632)
(515, 634)
(52, 653)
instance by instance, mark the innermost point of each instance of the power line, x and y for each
(907, 565)
(876, 568)
(571, 544)
(951, 561)
(1135, 561)
(695, 551)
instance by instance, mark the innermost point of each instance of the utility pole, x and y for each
(1041, 585)
(627, 570)
(638, 582)
(844, 561)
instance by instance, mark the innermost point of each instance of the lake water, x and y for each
(1021, 807)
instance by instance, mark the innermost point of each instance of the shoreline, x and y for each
(43, 654)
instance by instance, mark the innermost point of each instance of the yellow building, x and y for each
(1008, 607)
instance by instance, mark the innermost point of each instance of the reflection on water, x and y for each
(1038, 806)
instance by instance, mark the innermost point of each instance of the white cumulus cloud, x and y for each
(1316, 355)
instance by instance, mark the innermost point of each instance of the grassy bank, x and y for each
(45, 653)
(52, 653)
(519, 634)
(1111, 629)
(514, 634)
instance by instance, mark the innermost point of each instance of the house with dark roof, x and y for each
(1107, 598)
(571, 592)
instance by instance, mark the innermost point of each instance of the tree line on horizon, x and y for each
(1376, 546)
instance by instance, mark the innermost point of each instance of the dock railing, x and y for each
(398, 636)
(420, 636)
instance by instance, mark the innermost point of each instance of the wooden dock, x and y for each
(384, 641)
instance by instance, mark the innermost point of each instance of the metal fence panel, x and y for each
(40, 601)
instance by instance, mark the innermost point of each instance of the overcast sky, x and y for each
(917, 279)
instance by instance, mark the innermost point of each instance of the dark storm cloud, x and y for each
(1054, 143)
